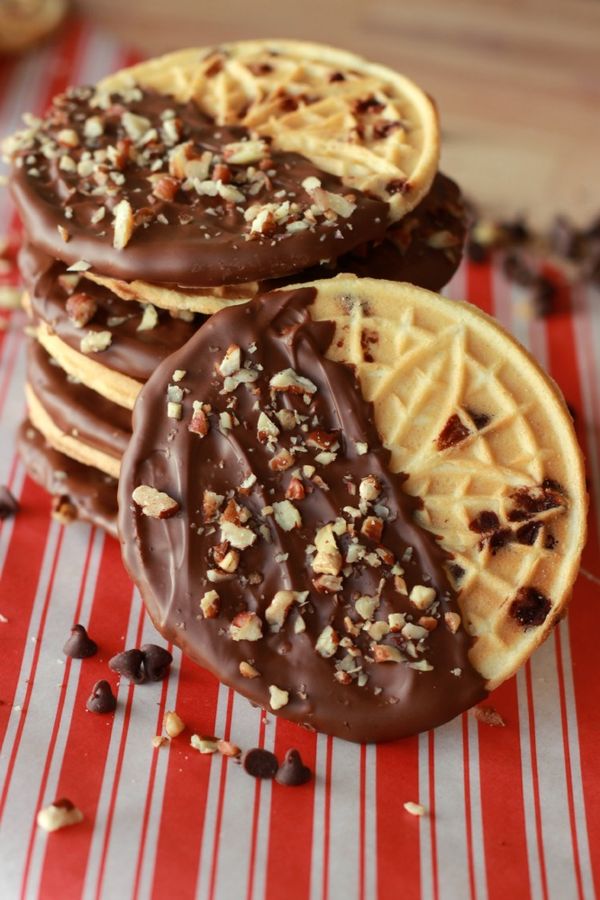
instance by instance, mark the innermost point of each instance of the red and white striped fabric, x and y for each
(512, 812)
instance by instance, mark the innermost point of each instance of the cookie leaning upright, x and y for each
(266, 514)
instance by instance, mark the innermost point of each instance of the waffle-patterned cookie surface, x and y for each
(358, 120)
(488, 444)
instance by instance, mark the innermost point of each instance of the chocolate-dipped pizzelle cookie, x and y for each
(260, 515)
(89, 494)
(73, 418)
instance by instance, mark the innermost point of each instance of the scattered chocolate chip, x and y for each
(157, 661)
(530, 607)
(9, 506)
(102, 699)
(485, 522)
(516, 269)
(544, 295)
(532, 500)
(260, 763)
(453, 432)
(477, 253)
(564, 239)
(80, 645)
(515, 232)
(292, 771)
(130, 664)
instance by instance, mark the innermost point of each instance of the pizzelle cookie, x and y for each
(261, 519)
(365, 123)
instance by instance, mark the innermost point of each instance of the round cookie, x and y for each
(139, 186)
(74, 418)
(92, 494)
(24, 23)
(364, 122)
(260, 518)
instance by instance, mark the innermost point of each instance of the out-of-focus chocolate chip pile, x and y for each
(527, 254)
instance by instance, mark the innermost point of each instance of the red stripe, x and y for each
(468, 820)
(186, 787)
(291, 821)
(31, 674)
(432, 822)
(58, 715)
(397, 782)
(150, 790)
(20, 579)
(563, 362)
(478, 282)
(361, 822)
(84, 761)
(327, 816)
(535, 781)
(118, 769)
(221, 801)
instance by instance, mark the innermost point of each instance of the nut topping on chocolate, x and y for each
(142, 186)
(154, 503)
(302, 579)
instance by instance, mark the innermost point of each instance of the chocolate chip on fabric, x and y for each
(157, 662)
(80, 645)
(130, 664)
(9, 505)
(292, 772)
(102, 699)
(260, 763)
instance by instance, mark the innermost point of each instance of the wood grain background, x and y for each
(517, 82)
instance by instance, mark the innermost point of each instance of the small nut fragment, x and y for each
(288, 380)
(369, 488)
(366, 606)
(63, 510)
(199, 423)
(372, 528)
(266, 430)
(286, 515)
(149, 318)
(154, 503)
(327, 642)
(231, 362)
(209, 604)
(279, 607)
(95, 341)
(204, 744)
(328, 584)
(452, 621)
(237, 536)
(80, 308)
(159, 740)
(415, 809)
(226, 748)
(278, 697)
(422, 597)
(328, 559)
(123, 224)
(247, 670)
(487, 715)
(245, 152)
(59, 814)
(383, 653)
(173, 723)
(246, 626)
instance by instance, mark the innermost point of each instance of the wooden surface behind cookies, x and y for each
(517, 83)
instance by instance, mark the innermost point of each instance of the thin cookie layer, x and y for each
(269, 538)
(75, 410)
(92, 494)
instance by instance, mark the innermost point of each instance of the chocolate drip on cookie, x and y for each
(138, 185)
(271, 542)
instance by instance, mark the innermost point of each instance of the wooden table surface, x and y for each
(517, 82)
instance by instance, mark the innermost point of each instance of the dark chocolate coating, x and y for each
(169, 558)
(76, 409)
(131, 352)
(93, 494)
(176, 251)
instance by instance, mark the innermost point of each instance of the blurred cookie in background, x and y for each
(25, 22)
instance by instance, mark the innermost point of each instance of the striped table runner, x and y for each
(513, 812)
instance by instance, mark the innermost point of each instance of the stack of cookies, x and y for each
(190, 183)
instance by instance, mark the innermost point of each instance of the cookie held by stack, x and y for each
(186, 184)
(262, 520)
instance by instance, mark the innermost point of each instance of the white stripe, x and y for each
(264, 819)
(133, 786)
(477, 834)
(425, 848)
(533, 860)
(152, 834)
(92, 871)
(233, 864)
(20, 809)
(581, 827)
(318, 844)
(450, 824)
(344, 833)
(75, 673)
(371, 822)
(209, 833)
